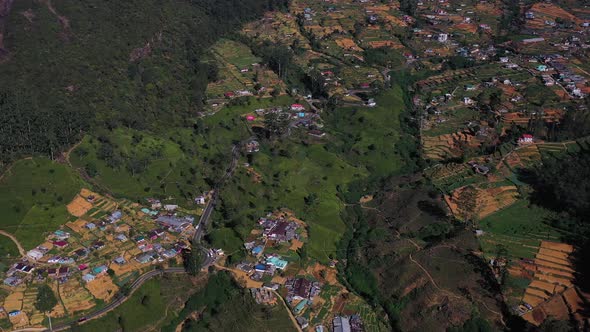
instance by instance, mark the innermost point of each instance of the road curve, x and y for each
(120, 300)
(21, 250)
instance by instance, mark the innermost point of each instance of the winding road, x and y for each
(21, 250)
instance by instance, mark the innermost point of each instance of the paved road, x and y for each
(134, 286)
(204, 220)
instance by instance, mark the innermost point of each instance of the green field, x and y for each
(307, 179)
(519, 228)
(144, 165)
(33, 195)
(235, 53)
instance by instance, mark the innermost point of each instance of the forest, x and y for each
(82, 66)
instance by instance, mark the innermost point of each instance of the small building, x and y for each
(341, 324)
(13, 281)
(88, 277)
(61, 235)
(200, 200)
(300, 306)
(303, 322)
(120, 260)
(35, 254)
(170, 207)
(82, 267)
(14, 313)
(525, 139)
(145, 257)
(257, 250)
(542, 68)
(60, 244)
(98, 245)
(90, 226)
(277, 262)
(121, 237)
(100, 270)
(297, 107)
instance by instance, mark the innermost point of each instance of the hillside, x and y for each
(69, 67)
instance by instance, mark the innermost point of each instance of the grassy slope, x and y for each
(303, 170)
(33, 195)
(518, 224)
(132, 315)
(168, 171)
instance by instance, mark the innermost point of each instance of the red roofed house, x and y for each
(297, 107)
(229, 94)
(60, 244)
(525, 139)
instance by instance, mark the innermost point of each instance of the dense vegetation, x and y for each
(562, 184)
(223, 306)
(46, 299)
(107, 65)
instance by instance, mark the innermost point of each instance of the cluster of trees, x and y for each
(47, 102)
(563, 185)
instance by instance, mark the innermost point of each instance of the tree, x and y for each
(46, 299)
(193, 260)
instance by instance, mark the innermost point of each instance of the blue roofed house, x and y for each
(88, 277)
(277, 262)
(100, 269)
(260, 268)
(115, 216)
(257, 250)
(300, 306)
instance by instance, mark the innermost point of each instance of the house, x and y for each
(116, 215)
(277, 262)
(470, 87)
(90, 226)
(175, 222)
(139, 238)
(12, 281)
(200, 200)
(62, 272)
(88, 277)
(120, 260)
(170, 207)
(82, 267)
(145, 257)
(341, 324)
(100, 270)
(81, 252)
(229, 94)
(260, 268)
(60, 244)
(170, 253)
(35, 254)
(302, 321)
(443, 37)
(14, 313)
(504, 59)
(300, 306)
(525, 139)
(98, 245)
(298, 288)
(61, 235)
(121, 237)
(542, 68)
(467, 101)
(529, 15)
(297, 107)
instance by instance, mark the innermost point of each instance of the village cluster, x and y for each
(108, 244)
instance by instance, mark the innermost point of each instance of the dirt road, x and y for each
(21, 250)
